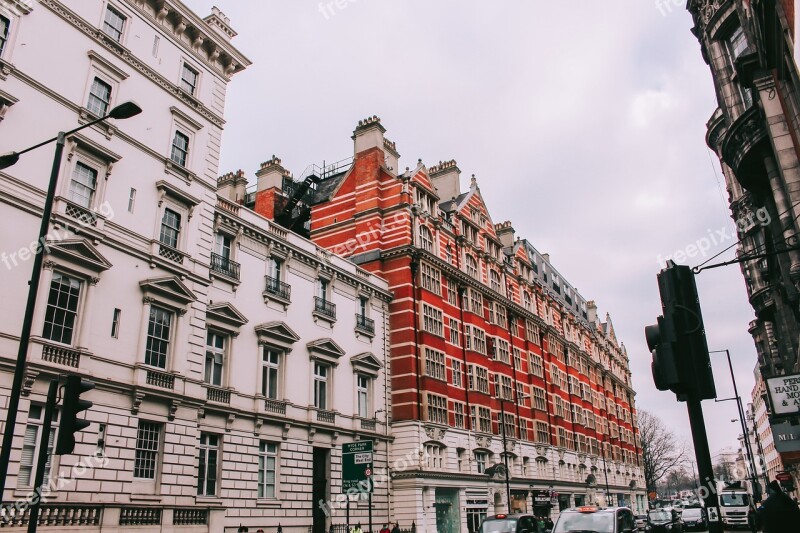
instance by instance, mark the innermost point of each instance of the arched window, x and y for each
(425, 239)
(526, 299)
(472, 266)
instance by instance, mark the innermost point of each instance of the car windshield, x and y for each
(499, 526)
(641, 517)
(595, 522)
(659, 515)
(734, 500)
(692, 513)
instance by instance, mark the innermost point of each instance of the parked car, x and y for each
(694, 518)
(641, 521)
(590, 518)
(510, 523)
(663, 521)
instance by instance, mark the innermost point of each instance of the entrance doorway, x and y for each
(320, 489)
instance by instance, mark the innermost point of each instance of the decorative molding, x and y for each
(229, 422)
(173, 408)
(28, 380)
(435, 433)
(285, 433)
(137, 401)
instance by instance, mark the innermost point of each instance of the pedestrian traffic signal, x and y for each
(70, 423)
(678, 342)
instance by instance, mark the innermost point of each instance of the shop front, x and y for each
(476, 505)
(541, 503)
(519, 501)
(564, 501)
(446, 504)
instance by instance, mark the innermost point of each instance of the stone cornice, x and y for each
(125, 55)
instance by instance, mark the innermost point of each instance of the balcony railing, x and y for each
(277, 288)
(365, 324)
(160, 379)
(275, 406)
(51, 515)
(140, 516)
(61, 355)
(168, 252)
(227, 205)
(215, 394)
(329, 417)
(190, 517)
(324, 307)
(368, 424)
(225, 266)
(82, 214)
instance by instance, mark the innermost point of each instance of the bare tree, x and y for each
(661, 450)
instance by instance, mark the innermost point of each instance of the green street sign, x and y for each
(357, 466)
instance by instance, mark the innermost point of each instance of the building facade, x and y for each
(508, 391)
(223, 395)
(754, 132)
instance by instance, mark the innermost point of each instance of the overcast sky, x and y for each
(584, 126)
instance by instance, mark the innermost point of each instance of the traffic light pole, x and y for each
(41, 461)
(705, 468)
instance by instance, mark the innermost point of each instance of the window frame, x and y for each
(218, 353)
(363, 391)
(322, 382)
(74, 339)
(265, 366)
(203, 465)
(110, 7)
(263, 455)
(52, 458)
(170, 344)
(156, 452)
(186, 66)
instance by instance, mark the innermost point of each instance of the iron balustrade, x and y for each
(324, 307)
(278, 288)
(364, 323)
(224, 265)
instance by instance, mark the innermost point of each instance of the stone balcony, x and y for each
(743, 147)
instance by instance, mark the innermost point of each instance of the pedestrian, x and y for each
(778, 513)
(548, 524)
(396, 528)
(385, 529)
(753, 520)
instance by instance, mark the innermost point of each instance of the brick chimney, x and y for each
(270, 199)
(233, 186)
(446, 178)
(591, 312)
(505, 232)
(368, 135)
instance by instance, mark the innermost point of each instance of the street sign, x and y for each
(713, 514)
(783, 476)
(784, 392)
(357, 466)
(786, 437)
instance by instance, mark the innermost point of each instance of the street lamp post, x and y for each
(122, 111)
(745, 432)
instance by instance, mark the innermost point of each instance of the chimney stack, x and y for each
(546, 258)
(368, 135)
(233, 186)
(505, 232)
(591, 309)
(269, 190)
(392, 157)
(445, 177)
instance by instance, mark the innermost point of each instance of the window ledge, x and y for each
(171, 167)
(209, 500)
(269, 503)
(146, 497)
(322, 316)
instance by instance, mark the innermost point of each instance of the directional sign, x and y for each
(357, 466)
(713, 514)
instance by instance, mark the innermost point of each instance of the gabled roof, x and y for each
(169, 287)
(80, 252)
(366, 362)
(325, 349)
(225, 312)
(277, 334)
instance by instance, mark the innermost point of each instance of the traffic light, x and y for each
(73, 405)
(678, 342)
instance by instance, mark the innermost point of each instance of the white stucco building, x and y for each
(224, 389)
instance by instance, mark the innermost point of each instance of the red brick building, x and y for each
(495, 358)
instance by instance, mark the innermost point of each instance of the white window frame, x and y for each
(186, 64)
(322, 385)
(264, 455)
(206, 449)
(363, 392)
(36, 425)
(156, 451)
(217, 353)
(265, 366)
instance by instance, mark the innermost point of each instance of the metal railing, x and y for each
(275, 406)
(324, 307)
(326, 416)
(278, 288)
(224, 265)
(364, 323)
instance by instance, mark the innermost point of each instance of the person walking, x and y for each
(396, 528)
(357, 529)
(385, 529)
(778, 513)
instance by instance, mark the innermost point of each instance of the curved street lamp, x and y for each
(122, 111)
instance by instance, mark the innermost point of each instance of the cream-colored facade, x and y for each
(222, 397)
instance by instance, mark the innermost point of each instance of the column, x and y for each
(85, 328)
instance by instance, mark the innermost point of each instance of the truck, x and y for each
(735, 503)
